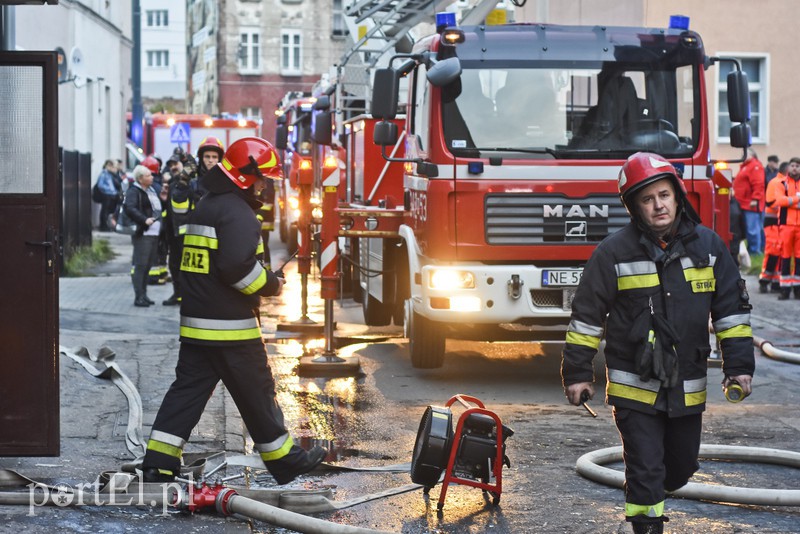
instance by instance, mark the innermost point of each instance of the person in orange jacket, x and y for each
(769, 279)
(787, 198)
(748, 189)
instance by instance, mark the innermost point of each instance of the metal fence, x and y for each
(76, 195)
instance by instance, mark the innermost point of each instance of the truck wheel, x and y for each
(291, 240)
(426, 340)
(376, 313)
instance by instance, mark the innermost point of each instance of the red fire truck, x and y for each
(499, 173)
(163, 132)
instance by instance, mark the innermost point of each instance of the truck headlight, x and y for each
(451, 279)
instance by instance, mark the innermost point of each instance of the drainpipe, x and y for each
(8, 38)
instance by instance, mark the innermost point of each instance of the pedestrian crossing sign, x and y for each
(179, 133)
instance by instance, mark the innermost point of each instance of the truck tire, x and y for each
(426, 340)
(291, 240)
(376, 313)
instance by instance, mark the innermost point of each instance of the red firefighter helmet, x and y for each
(210, 143)
(249, 159)
(642, 169)
(151, 163)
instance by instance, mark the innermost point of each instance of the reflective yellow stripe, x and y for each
(583, 339)
(260, 247)
(627, 392)
(737, 331)
(164, 448)
(278, 453)
(701, 273)
(220, 335)
(180, 207)
(650, 510)
(200, 241)
(637, 281)
(257, 284)
(693, 399)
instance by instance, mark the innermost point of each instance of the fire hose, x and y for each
(775, 353)
(590, 465)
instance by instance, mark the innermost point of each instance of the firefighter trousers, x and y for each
(247, 376)
(660, 454)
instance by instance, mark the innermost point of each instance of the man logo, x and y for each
(575, 229)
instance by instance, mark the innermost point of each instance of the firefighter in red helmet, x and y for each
(223, 282)
(210, 151)
(649, 289)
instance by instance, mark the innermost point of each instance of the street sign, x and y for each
(179, 133)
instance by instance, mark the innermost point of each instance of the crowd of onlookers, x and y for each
(765, 216)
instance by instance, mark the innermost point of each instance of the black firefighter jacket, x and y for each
(221, 268)
(694, 276)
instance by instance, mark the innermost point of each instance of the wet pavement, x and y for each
(372, 419)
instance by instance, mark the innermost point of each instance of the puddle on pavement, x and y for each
(319, 411)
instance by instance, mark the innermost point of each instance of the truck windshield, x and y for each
(598, 111)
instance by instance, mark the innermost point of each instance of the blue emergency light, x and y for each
(678, 22)
(444, 19)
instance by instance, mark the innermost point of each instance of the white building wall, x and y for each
(166, 81)
(91, 109)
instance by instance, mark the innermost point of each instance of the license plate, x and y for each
(561, 277)
(567, 296)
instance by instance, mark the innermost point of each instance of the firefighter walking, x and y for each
(649, 289)
(223, 281)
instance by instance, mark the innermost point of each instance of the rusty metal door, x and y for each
(30, 221)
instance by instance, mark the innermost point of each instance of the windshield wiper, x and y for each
(532, 150)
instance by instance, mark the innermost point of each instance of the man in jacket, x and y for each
(223, 281)
(143, 206)
(748, 188)
(649, 290)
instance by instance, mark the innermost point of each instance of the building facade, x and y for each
(163, 61)
(95, 37)
(245, 55)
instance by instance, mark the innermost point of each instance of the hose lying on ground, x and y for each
(775, 353)
(590, 466)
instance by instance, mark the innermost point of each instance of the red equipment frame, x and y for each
(473, 405)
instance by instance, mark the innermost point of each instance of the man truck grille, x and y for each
(531, 219)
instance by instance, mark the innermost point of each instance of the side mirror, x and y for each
(281, 119)
(738, 96)
(281, 136)
(385, 89)
(740, 135)
(444, 72)
(321, 127)
(385, 133)
(323, 103)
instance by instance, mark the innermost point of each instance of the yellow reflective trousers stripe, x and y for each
(278, 453)
(164, 448)
(220, 335)
(649, 510)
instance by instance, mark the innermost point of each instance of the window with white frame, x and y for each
(251, 112)
(157, 18)
(756, 68)
(158, 58)
(249, 51)
(291, 52)
(338, 28)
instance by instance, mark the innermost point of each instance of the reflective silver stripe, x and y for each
(731, 321)
(219, 324)
(169, 439)
(200, 229)
(695, 386)
(631, 379)
(250, 277)
(585, 328)
(272, 445)
(635, 267)
(687, 263)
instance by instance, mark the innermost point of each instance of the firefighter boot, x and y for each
(786, 293)
(296, 463)
(796, 290)
(648, 528)
(763, 286)
(152, 474)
